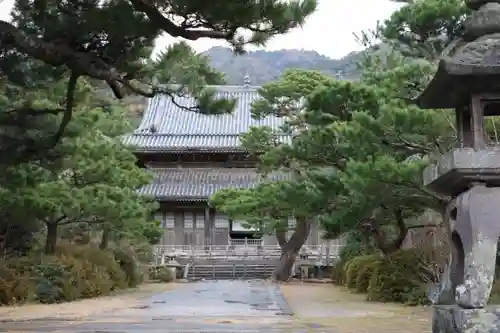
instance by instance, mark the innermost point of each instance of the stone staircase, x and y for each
(240, 270)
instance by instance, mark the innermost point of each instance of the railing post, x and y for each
(162, 256)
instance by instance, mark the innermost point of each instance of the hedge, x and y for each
(399, 277)
(74, 272)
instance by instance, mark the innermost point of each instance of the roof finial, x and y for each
(246, 80)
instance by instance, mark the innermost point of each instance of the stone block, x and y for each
(455, 171)
(454, 319)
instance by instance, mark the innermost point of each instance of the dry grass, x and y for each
(84, 308)
(331, 308)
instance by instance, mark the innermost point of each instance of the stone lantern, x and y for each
(468, 81)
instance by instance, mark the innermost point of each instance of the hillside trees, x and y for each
(110, 41)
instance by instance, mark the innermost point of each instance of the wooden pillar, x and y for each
(179, 228)
(208, 227)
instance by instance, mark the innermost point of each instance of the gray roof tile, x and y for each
(178, 129)
(198, 184)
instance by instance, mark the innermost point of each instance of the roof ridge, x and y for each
(222, 86)
(196, 134)
(201, 168)
(185, 134)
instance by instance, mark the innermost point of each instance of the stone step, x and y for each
(235, 271)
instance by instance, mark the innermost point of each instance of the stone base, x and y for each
(454, 319)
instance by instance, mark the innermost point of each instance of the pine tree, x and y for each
(111, 41)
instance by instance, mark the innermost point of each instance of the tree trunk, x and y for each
(290, 249)
(283, 270)
(104, 238)
(51, 240)
(381, 241)
(281, 237)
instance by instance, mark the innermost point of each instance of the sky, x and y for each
(329, 31)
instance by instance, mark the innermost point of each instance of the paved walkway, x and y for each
(222, 307)
(212, 306)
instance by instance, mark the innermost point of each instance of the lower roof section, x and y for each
(198, 184)
(179, 143)
(144, 142)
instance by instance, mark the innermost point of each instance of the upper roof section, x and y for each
(167, 127)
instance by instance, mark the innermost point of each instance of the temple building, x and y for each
(192, 156)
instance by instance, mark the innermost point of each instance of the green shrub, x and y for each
(74, 272)
(15, 286)
(354, 267)
(128, 263)
(350, 272)
(418, 296)
(351, 250)
(365, 273)
(66, 278)
(398, 277)
(51, 277)
(104, 259)
(338, 274)
(98, 282)
(355, 246)
(143, 252)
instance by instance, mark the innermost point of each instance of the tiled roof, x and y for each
(177, 129)
(198, 184)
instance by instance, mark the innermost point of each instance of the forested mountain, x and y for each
(261, 66)
(265, 66)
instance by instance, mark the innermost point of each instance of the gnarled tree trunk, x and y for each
(290, 249)
(51, 240)
(383, 243)
(105, 238)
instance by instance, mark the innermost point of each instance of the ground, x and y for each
(337, 310)
(219, 306)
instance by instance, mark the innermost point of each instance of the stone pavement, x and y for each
(211, 306)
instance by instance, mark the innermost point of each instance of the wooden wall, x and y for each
(197, 224)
